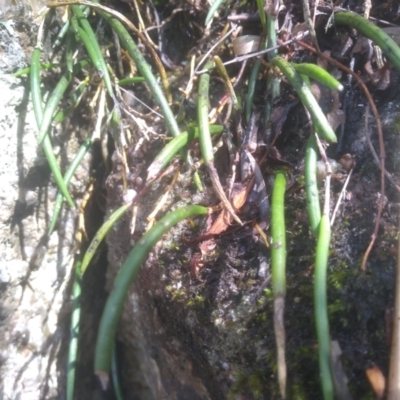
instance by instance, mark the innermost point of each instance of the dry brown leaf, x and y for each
(245, 44)
(335, 117)
(240, 197)
(377, 381)
(224, 219)
(220, 224)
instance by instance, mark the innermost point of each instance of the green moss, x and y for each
(297, 392)
(255, 383)
(197, 300)
(396, 123)
(269, 294)
(176, 294)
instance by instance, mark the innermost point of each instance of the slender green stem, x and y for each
(127, 81)
(251, 88)
(260, 6)
(61, 34)
(173, 147)
(371, 31)
(202, 117)
(145, 70)
(64, 29)
(224, 74)
(35, 85)
(213, 9)
(271, 35)
(101, 234)
(305, 79)
(90, 41)
(206, 146)
(312, 195)
(115, 376)
(124, 279)
(38, 110)
(256, 66)
(273, 84)
(52, 104)
(47, 118)
(319, 119)
(75, 97)
(320, 298)
(44, 66)
(67, 179)
(74, 333)
(69, 51)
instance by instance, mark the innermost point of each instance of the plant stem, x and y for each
(67, 179)
(38, 110)
(206, 143)
(74, 332)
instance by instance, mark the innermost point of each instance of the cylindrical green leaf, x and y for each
(320, 122)
(319, 74)
(278, 232)
(126, 275)
(312, 195)
(321, 307)
(202, 117)
(371, 31)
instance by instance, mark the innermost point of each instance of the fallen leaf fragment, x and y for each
(377, 381)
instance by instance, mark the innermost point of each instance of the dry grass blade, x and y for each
(206, 144)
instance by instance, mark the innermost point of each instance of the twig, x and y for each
(310, 23)
(196, 71)
(141, 24)
(166, 20)
(343, 191)
(206, 144)
(394, 373)
(262, 52)
(376, 158)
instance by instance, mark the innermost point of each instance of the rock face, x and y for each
(31, 271)
(188, 334)
(190, 330)
(205, 331)
(35, 268)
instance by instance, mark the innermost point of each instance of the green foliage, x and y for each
(340, 278)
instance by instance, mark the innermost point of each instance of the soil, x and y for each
(198, 321)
